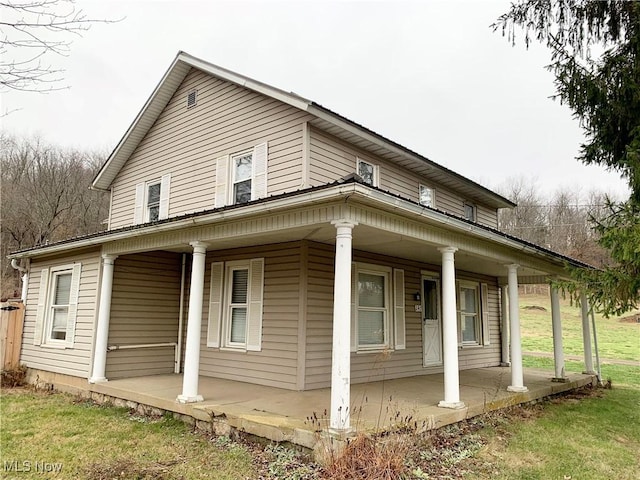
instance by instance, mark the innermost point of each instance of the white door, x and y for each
(431, 323)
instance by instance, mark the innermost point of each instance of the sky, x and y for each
(430, 75)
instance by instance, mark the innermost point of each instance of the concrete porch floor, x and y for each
(280, 415)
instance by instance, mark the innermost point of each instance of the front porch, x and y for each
(280, 415)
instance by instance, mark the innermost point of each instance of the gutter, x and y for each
(24, 277)
(314, 195)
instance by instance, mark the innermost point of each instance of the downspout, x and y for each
(24, 277)
(595, 345)
(180, 317)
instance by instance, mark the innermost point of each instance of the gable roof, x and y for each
(325, 119)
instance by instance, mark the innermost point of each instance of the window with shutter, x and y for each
(152, 200)
(57, 305)
(241, 319)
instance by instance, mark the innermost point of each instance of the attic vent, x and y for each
(191, 98)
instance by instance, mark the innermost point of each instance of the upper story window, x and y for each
(469, 211)
(369, 172)
(152, 200)
(427, 196)
(152, 209)
(241, 177)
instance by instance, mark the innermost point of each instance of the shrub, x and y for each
(14, 377)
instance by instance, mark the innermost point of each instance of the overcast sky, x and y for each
(430, 75)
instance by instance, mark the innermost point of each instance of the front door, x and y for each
(431, 324)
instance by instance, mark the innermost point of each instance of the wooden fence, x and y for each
(11, 321)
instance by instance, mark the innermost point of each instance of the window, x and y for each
(235, 305)
(377, 308)
(368, 172)
(469, 313)
(373, 309)
(57, 305)
(238, 306)
(470, 212)
(241, 177)
(473, 313)
(152, 200)
(152, 208)
(59, 308)
(427, 196)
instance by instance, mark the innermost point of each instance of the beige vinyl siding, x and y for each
(487, 216)
(145, 307)
(276, 364)
(331, 159)
(74, 361)
(367, 367)
(186, 142)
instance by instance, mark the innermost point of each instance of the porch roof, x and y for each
(349, 191)
(281, 415)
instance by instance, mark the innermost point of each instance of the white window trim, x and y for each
(225, 169)
(219, 321)
(146, 206)
(230, 267)
(44, 313)
(433, 195)
(387, 272)
(230, 193)
(479, 314)
(141, 208)
(376, 170)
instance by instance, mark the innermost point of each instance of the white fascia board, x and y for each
(224, 74)
(105, 176)
(389, 202)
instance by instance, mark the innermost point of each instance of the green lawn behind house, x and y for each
(618, 337)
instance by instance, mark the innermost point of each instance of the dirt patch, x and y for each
(635, 318)
(534, 307)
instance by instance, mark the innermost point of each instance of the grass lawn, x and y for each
(618, 338)
(594, 435)
(591, 438)
(96, 443)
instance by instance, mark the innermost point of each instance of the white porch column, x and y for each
(450, 331)
(341, 351)
(104, 315)
(504, 325)
(586, 336)
(517, 376)
(556, 323)
(194, 322)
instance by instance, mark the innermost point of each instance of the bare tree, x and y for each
(45, 196)
(31, 32)
(527, 221)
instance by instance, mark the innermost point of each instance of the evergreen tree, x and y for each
(595, 49)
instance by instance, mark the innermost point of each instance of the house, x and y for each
(257, 236)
